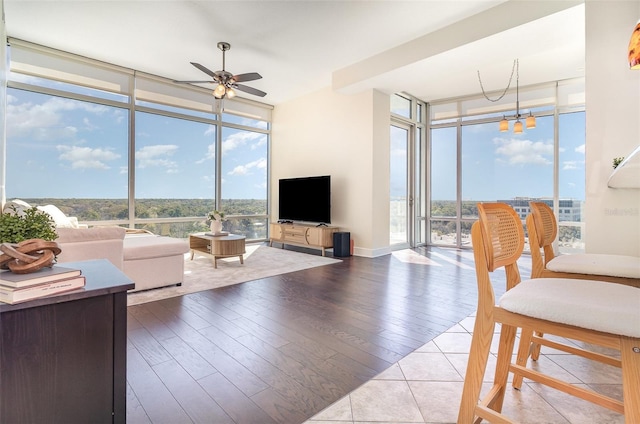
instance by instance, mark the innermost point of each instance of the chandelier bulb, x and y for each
(231, 93)
(531, 121)
(504, 124)
(517, 127)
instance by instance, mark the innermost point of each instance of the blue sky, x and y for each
(506, 165)
(70, 149)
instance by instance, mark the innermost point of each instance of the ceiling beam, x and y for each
(503, 17)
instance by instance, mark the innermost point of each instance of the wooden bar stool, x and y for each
(590, 311)
(543, 230)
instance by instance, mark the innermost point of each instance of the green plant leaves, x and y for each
(29, 224)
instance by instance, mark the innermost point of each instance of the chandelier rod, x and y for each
(515, 64)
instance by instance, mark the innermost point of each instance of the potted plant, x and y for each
(216, 217)
(617, 161)
(26, 224)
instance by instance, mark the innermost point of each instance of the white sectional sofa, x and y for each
(151, 261)
(154, 261)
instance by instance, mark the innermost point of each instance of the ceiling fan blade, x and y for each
(205, 70)
(251, 76)
(193, 82)
(250, 90)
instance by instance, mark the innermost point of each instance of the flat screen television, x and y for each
(306, 199)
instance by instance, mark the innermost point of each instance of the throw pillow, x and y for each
(61, 220)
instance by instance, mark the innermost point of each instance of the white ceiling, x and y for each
(432, 49)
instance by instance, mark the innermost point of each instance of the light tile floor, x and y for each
(426, 386)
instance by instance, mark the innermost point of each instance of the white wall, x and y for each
(347, 137)
(612, 216)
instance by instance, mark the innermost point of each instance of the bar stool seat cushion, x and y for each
(597, 264)
(596, 305)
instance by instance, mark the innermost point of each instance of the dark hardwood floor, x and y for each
(281, 349)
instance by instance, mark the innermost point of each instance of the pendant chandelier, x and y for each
(530, 121)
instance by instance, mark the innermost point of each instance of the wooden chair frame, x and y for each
(498, 240)
(543, 230)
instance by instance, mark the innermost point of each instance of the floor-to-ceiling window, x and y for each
(571, 181)
(443, 188)
(244, 188)
(113, 146)
(407, 167)
(472, 161)
(62, 148)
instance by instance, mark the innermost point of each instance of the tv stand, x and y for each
(307, 235)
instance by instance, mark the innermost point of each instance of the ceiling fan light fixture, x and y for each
(219, 91)
(531, 121)
(226, 81)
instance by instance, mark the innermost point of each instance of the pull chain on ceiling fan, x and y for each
(226, 82)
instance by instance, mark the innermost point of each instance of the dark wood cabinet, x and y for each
(63, 358)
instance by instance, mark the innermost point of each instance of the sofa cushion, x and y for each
(143, 246)
(69, 235)
(81, 244)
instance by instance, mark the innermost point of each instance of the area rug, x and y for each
(260, 261)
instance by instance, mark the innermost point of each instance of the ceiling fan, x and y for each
(227, 82)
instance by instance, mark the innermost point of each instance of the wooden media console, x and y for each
(318, 237)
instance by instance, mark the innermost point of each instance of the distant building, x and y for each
(569, 209)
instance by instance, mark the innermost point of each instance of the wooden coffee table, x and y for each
(218, 246)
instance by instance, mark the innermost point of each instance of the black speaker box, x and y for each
(341, 244)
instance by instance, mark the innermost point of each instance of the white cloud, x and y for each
(86, 157)
(210, 155)
(256, 123)
(239, 138)
(88, 125)
(570, 165)
(261, 142)
(211, 129)
(246, 169)
(45, 121)
(580, 149)
(156, 156)
(522, 152)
